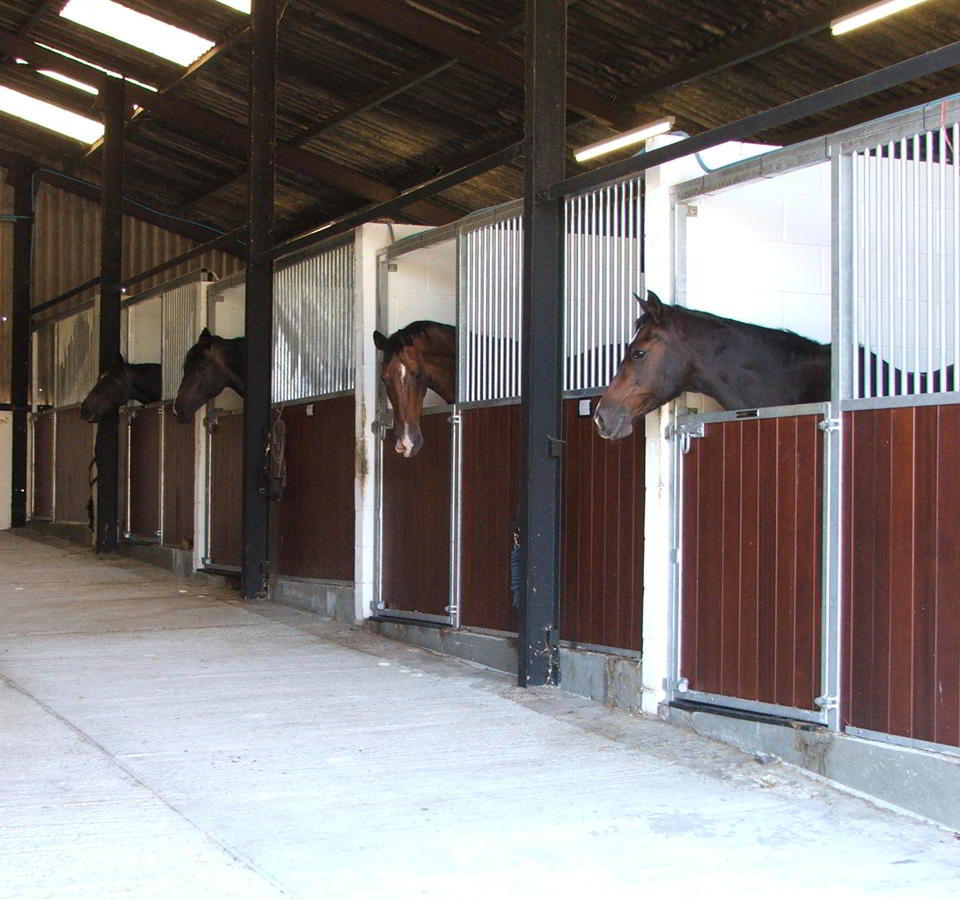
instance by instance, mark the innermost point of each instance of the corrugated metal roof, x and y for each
(637, 58)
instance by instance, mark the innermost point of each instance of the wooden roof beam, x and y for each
(225, 132)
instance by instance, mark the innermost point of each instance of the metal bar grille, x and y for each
(179, 332)
(489, 311)
(604, 270)
(76, 357)
(313, 352)
(905, 338)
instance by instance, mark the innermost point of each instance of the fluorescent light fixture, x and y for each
(49, 116)
(87, 62)
(239, 5)
(651, 129)
(66, 79)
(870, 14)
(138, 30)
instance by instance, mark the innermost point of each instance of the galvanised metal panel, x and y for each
(313, 351)
(76, 357)
(604, 262)
(489, 310)
(43, 383)
(180, 304)
(905, 317)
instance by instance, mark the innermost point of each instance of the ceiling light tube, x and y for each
(870, 14)
(651, 129)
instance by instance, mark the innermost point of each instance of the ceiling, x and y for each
(376, 96)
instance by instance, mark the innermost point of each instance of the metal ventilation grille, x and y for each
(604, 261)
(76, 356)
(489, 311)
(313, 352)
(180, 304)
(906, 273)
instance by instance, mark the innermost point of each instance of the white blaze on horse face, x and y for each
(405, 445)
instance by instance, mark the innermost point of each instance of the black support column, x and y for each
(111, 258)
(22, 180)
(545, 54)
(259, 302)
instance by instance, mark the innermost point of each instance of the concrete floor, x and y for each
(160, 739)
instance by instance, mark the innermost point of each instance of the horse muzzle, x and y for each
(409, 442)
(613, 422)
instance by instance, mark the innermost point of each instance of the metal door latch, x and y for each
(829, 425)
(686, 432)
(825, 702)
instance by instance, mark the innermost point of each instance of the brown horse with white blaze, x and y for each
(740, 365)
(211, 365)
(419, 356)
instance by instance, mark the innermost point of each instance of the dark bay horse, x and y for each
(419, 356)
(739, 365)
(211, 364)
(121, 383)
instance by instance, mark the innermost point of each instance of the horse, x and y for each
(419, 356)
(741, 366)
(211, 364)
(119, 384)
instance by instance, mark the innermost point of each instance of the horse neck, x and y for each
(439, 362)
(235, 356)
(752, 369)
(145, 381)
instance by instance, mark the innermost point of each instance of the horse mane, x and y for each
(405, 337)
(797, 347)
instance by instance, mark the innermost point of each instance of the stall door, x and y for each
(750, 547)
(225, 497)
(415, 524)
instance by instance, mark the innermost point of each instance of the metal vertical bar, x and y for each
(955, 244)
(545, 127)
(111, 256)
(258, 308)
(915, 206)
(942, 250)
(886, 219)
(22, 179)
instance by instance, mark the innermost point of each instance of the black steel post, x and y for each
(111, 258)
(259, 303)
(22, 178)
(545, 55)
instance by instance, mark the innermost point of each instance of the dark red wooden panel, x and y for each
(415, 561)
(179, 474)
(602, 542)
(901, 579)
(491, 478)
(751, 550)
(226, 492)
(43, 465)
(144, 482)
(312, 525)
(75, 440)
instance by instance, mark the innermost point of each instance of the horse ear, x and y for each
(206, 339)
(380, 340)
(651, 306)
(119, 362)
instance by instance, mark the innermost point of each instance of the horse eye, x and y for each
(637, 353)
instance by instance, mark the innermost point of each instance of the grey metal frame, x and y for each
(687, 427)
(838, 150)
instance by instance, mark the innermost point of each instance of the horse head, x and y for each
(111, 391)
(656, 368)
(415, 358)
(211, 364)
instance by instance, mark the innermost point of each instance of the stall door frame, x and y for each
(382, 425)
(690, 427)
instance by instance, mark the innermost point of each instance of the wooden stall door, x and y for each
(225, 505)
(488, 509)
(75, 443)
(415, 523)
(144, 477)
(751, 563)
(312, 526)
(602, 540)
(179, 468)
(43, 439)
(901, 576)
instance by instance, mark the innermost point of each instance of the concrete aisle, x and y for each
(160, 739)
